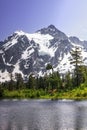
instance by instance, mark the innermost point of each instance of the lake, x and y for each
(43, 115)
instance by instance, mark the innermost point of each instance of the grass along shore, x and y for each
(79, 93)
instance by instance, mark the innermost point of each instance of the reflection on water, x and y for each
(43, 115)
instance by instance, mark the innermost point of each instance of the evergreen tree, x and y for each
(1, 91)
(41, 83)
(68, 81)
(76, 61)
(11, 83)
(48, 79)
(49, 67)
(84, 74)
(19, 81)
(32, 82)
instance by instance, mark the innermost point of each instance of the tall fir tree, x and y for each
(32, 82)
(19, 81)
(76, 61)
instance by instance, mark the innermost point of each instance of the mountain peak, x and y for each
(29, 53)
(19, 32)
(52, 26)
(53, 31)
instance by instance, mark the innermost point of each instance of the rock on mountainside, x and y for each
(30, 53)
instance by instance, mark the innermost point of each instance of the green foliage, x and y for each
(49, 66)
(32, 82)
(24, 93)
(1, 91)
(49, 86)
(76, 61)
(19, 81)
(68, 81)
(76, 93)
(41, 84)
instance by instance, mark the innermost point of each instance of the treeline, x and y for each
(52, 82)
(49, 83)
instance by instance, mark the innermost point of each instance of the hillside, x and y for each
(26, 53)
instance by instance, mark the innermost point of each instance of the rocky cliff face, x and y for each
(30, 53)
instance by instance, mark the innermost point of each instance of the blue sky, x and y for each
(69, 16)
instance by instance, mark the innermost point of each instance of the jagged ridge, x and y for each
(30, 53)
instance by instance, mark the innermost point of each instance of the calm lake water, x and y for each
(43, 115)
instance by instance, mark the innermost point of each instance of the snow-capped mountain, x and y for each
(30, 53)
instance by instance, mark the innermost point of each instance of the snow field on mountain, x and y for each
(30, 53)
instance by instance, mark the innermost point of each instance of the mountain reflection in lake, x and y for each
(43, 115)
